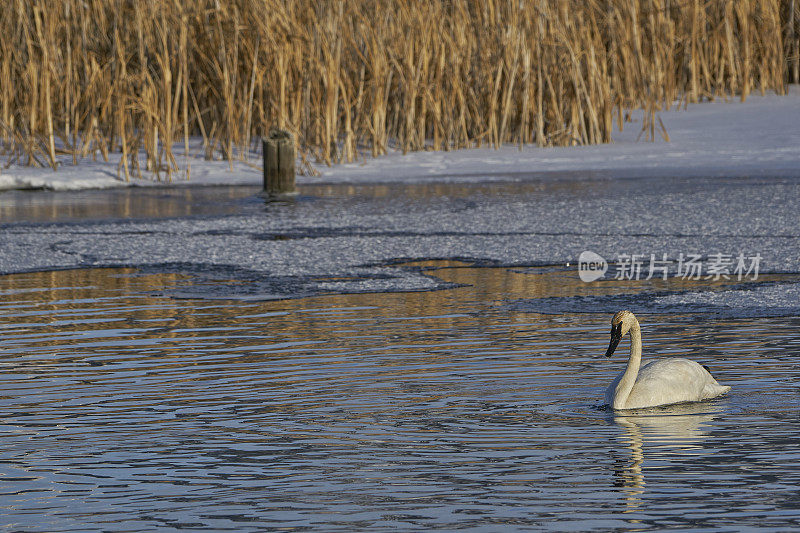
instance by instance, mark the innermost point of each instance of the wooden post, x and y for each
(278, 163)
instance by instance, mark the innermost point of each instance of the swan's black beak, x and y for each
(616, 336)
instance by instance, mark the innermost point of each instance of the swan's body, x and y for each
(660, 382)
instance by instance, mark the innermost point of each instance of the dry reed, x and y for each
(91, 77)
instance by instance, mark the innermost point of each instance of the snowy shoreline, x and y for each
(759, 137)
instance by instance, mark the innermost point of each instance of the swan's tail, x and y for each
(713, 389)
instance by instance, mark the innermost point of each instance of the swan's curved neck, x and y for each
(625, 384)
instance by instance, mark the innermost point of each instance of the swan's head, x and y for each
(621, 322)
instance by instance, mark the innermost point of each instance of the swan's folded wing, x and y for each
(666, 381)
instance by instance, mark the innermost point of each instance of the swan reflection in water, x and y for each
(668, 432)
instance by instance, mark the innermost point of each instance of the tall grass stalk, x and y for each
(90, 77)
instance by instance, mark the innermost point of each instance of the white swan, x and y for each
(660, 382)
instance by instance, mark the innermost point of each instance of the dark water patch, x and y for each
(222, 282)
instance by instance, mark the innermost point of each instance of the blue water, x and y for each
(473, 408)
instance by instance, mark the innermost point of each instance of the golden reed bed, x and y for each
(88, 77)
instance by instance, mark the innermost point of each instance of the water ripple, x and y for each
(121, 410)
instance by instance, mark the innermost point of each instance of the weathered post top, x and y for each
(279, 156)
(278, 135)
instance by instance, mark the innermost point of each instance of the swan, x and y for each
(660, 382)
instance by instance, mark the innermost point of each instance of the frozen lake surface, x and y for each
(392, 357)
(345, 238)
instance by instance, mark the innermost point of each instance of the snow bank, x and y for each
(724, 138)
(102, 175)
(759, 137)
